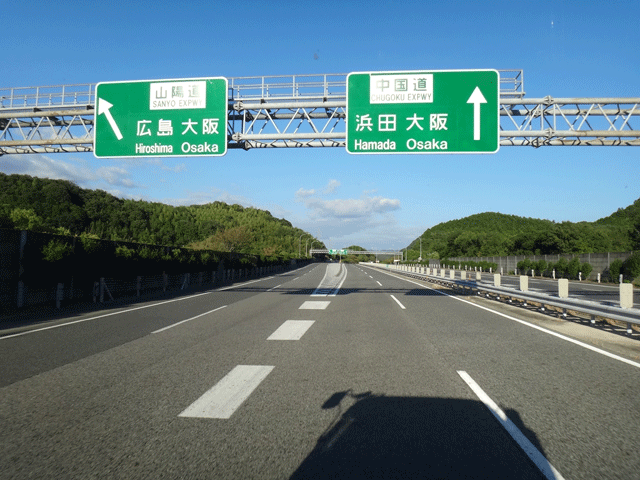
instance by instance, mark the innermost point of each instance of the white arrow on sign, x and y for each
(476, 98)
(103, 107)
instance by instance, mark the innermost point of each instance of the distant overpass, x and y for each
(346, 251)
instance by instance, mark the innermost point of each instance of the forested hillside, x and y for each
(62, 207)
(489, 234)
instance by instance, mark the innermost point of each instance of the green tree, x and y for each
(540, 266)
(573, 267)
(631, 266)
(586, 270)
(561, 267)
(615, 269)
(26, 219)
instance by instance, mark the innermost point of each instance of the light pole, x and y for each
(311, 246)
(300, 243)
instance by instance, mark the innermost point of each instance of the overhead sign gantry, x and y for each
(294, 111)
(161, 118)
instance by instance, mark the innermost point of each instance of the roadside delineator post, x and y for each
(563, 288)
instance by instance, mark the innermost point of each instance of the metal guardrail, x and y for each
(594, 309)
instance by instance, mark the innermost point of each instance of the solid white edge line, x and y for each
(548, 470)
(242, 284)
(189, 319)
(378, 283)
(527, 324)
(123, 311)
(224, 398)
(398, 302)
(273, 288)
(335, 292)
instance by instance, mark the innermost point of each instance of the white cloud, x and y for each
(302, 193)
(351, 207)
(200, 198)
(115, 176)
(349, 221)
(72, 168)
(76, 170)
(331, 187)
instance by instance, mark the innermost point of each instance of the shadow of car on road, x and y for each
(381, 436)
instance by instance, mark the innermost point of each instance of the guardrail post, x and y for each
(496, 279)
(463, 275)
(626, 295)
(563, 288)
(524, 283)
(452, 274)
(59, 294)
(478, 276)
(20, 300)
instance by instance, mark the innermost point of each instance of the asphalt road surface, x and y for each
(329, 371)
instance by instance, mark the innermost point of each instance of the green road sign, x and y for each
(453, 111)
(343, 252)
(332, 252)
(161, 118)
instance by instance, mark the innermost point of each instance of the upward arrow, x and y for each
(103, 107)
(476, 98)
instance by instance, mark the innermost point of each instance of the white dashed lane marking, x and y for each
(229, 393)
(398, 302)
(311, 305)
(291, 330)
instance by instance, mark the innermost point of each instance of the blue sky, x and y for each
(565, 48)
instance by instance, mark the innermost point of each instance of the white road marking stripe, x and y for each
(378, 283)
(189, 319)
(310, 305)
(532, 452)
(227, 395)
(398, 302)
(241, 284)
(542, 329)
(271, 289)
(291, 330)
(122, 311)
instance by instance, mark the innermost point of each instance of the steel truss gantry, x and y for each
(310, 111)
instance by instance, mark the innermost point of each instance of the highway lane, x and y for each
(368, 386)
(58, 342)
(566, 391)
